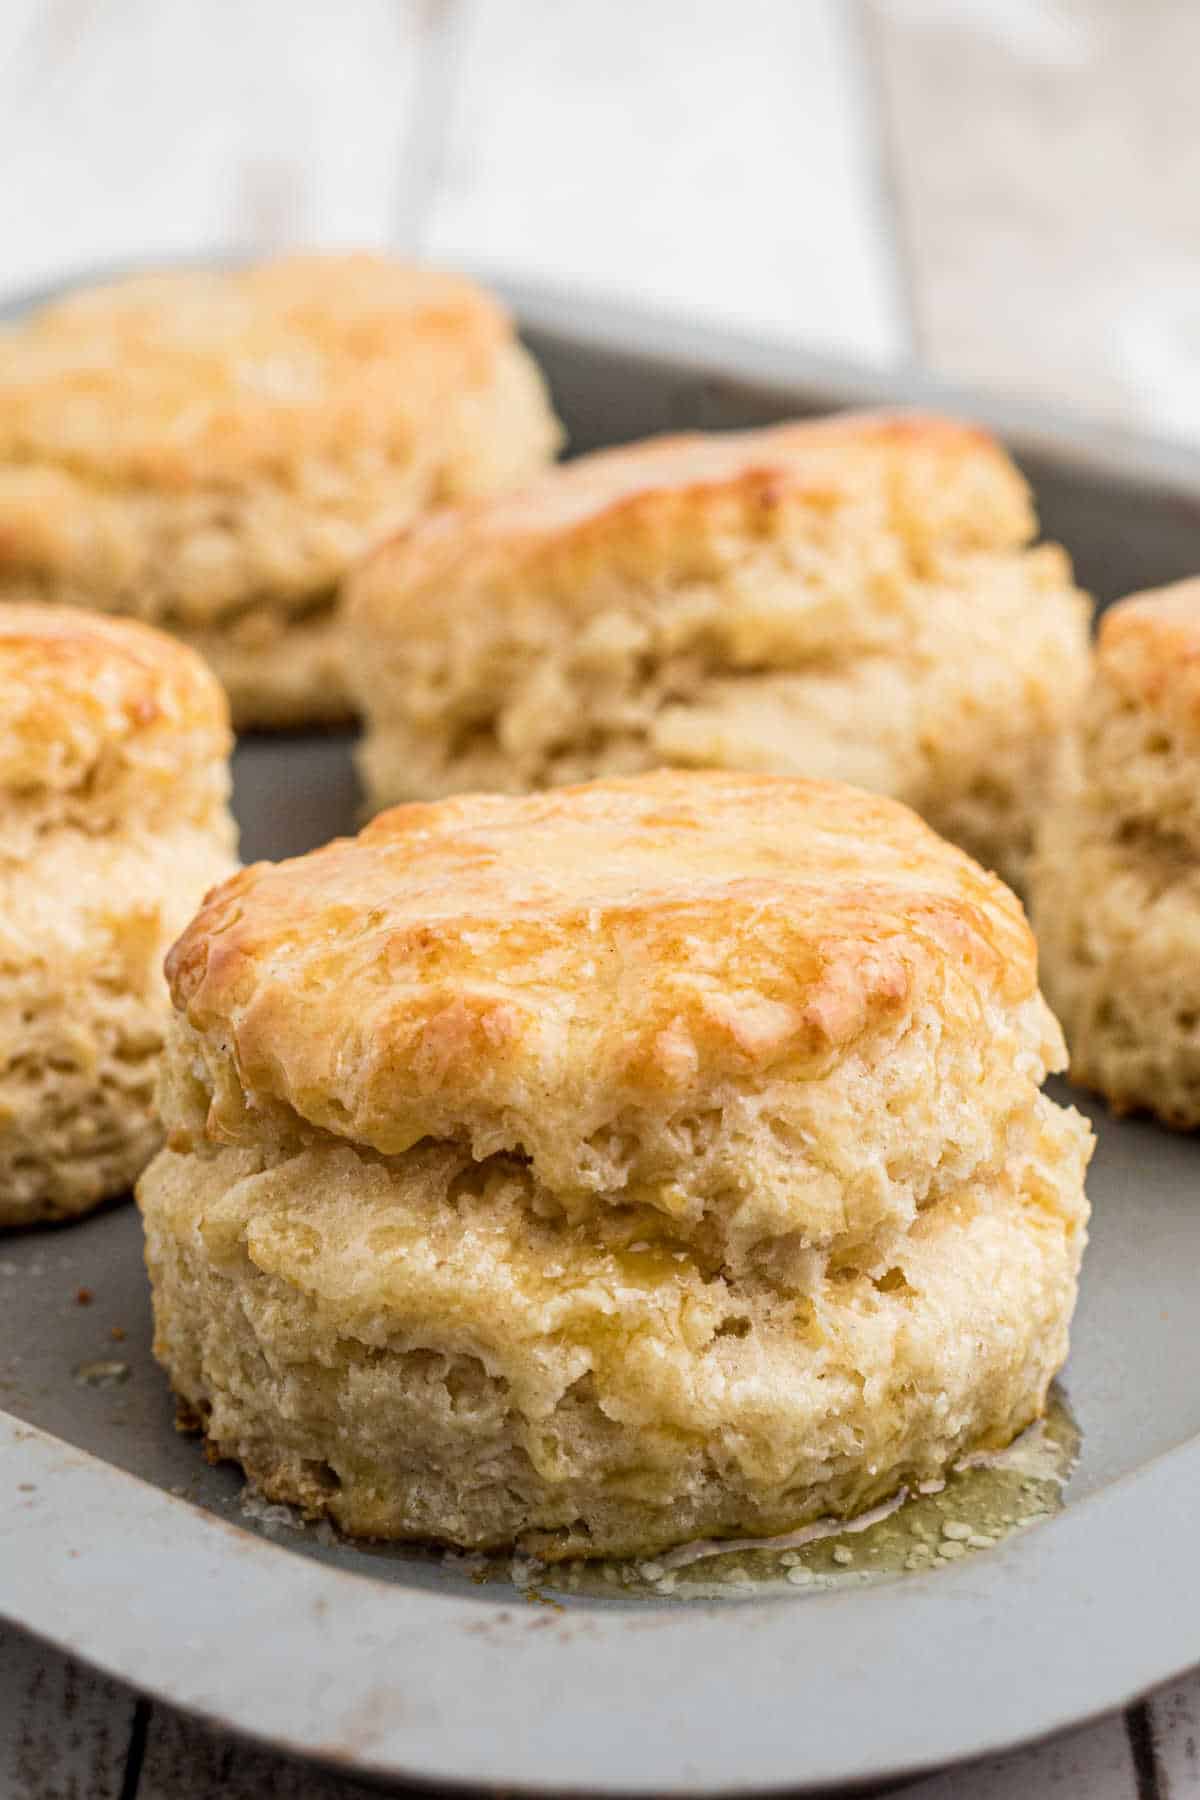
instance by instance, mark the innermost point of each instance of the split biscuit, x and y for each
(597, 1169)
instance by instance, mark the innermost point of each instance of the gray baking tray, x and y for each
(118, 1543)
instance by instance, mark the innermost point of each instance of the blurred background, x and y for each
(1002, 190)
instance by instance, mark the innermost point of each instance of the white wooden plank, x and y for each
(64, 1732)
(1092, 1764)
(712, 159)
(184, 1761)
(158, 126)
(1175, 1738)
(1047, 164)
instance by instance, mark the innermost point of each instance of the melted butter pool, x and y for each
(986, 1499)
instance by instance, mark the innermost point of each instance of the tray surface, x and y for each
(399, 1665)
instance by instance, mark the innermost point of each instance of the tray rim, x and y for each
(1051, 432)
(67, 1602)
(1015, 1651)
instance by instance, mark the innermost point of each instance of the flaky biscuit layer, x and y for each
(405, 1345)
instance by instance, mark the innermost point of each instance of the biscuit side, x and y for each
(114, 820)
(958, 716)
(405, 1345)
(1115, 881)
(1119, 928)
(85, 920)
(1139, 732)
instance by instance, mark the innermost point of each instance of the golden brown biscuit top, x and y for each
(564, 955)
(686, 506)
(83, 696)
(201, 376)
(1149, 648)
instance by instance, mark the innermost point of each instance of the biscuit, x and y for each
(211, 451)
(852, 599)
(593, 1169)
(113, 821)
(1115, 883)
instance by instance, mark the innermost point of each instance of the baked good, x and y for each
(1115, 884)
(592, 1170)
(211, 450)
(851, 598)
(113, 821)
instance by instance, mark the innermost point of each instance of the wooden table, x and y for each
(1005, 192)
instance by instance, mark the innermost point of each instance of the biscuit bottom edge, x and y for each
(282, 670)
(457, 1379)
(310, 1490)
(57, 1192)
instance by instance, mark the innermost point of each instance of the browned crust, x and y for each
(77, 687)
(177, 379)
(678, 504)
(626, 941)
